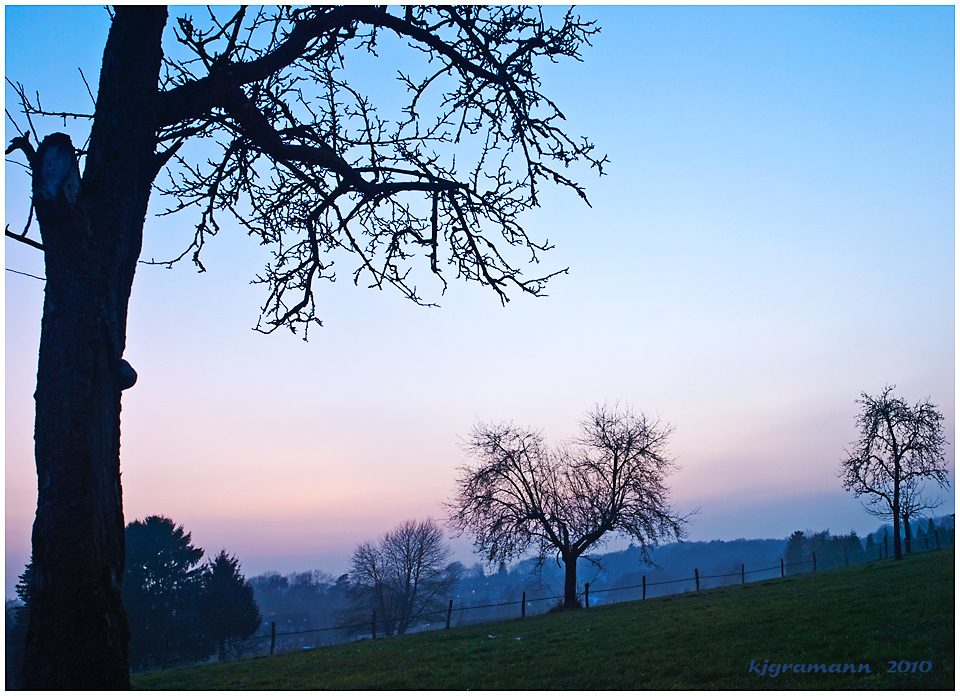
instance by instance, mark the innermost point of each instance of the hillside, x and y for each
(881, 614)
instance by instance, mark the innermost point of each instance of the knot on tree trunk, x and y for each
(56, 175)
(127, 375)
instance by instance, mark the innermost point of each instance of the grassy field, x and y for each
(876, 614)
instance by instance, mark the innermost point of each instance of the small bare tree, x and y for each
(522, 494)
(403, 577)
(899, 447)
(913, 501)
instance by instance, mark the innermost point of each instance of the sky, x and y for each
(774, 235)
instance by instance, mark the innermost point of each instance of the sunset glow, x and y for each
(775, 235)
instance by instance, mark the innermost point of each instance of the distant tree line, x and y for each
(394, 584)
(831, 551)
(834, 551)
(182, 610)
(928, 535)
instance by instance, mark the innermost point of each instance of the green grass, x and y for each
(871, 614)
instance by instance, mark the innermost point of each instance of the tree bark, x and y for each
(91, 230)
(570, 583)
(907, 534)
(897, 551)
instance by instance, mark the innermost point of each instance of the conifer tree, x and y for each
(227, 608)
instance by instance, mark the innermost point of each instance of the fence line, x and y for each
(260, 644)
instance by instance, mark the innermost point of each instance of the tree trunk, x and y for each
(91, 231)
(897, 552)
(906, 533)
(570, 583)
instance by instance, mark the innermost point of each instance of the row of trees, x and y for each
(932, 534)
(178, 608)
(831, 551)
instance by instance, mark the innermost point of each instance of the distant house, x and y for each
(288, 627)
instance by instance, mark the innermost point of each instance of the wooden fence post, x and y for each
(781, 567)
(523, 605)
(743, 575)
(644, 587)
(814, 561)
(586, 594)
(449, 612)
(273, 635)
(373, 625)
(696, 577)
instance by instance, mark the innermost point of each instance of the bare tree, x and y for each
(521, 494)
(913, 501)
(899, 447)
(403, 577)
(305, 163)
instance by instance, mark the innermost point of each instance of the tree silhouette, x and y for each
(522, 494)
(17, 618)
(793, 555)
(160, 589)
(227, 607)
(308, 165)
(402, 577)
(899, 447)
(913, 501)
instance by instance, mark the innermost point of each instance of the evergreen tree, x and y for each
(931, 534)
(227, 608)
(16, 617)
(160, 590)
(851, 547)
(795, 551)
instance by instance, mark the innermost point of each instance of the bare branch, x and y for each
(307, 164)
(23, 236)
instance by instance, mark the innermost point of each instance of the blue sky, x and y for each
(775, 234)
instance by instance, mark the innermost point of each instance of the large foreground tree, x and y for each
(256, 115)
(521, 494)
(899, 447)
